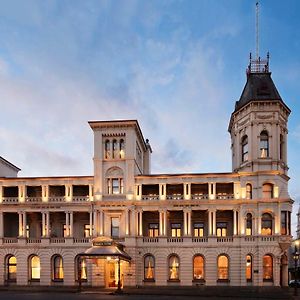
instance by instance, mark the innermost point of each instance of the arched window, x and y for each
(114, 179)
(198, 266)
(245, 148)
(223, 267)
(11, 268)
(264, 144)
(173, 267)
(57, 268)
(80, 268)
(248, 224)
(267, 268)
(122, 149)
(115, 149)
(249, 267)
(248, 191)
(107, 149)
(149, 267)
(267, 191)
(34, 268)
(266, 224)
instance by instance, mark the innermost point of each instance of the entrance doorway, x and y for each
(111, 273)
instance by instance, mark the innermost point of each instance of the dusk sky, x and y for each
(176, 66)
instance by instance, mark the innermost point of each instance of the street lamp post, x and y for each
(296, 258)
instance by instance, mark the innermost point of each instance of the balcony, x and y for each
(199, 191)
(174, 191)
(33, 199)
(225, 191)
(150, 192)
(10, 200)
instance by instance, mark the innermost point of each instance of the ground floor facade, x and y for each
(239, 261)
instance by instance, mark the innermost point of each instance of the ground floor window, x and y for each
(58, 270)
(249, 267)
(34, 268)
(149, 267)
(267, 268)
(198, 267)
(223, 264)
(11, 269)
(82, 272)
(173, 267)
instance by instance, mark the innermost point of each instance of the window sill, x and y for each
(173, 280)
(223, 280)
(199, 280)
(57, 280)
(149, 280)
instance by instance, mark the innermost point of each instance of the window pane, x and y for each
(198, 267)
(149, 267)
(58, 268)
(249, 267)
(222, 267)
(115, 186)
(35, 267)
(173, 268)
(267, 267)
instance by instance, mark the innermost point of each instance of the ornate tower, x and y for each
(258, 125)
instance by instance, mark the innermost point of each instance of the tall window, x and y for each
(80, 263)
(107, 149)
(87, 230)
(198, 229)
(115, 186)
(249, 267)
(221, 229)
(198, 265)
(122, 149)
(245, 148)
(281, 147)
(57, 268)
(11, 268)
(248, 191)
(223, 270)
(153, 230)
(149, 267)
(248, 224)
(264, 144)
(34, 268)
(114, 149)
(267, 191)
(267, 268)
(115, 227)
(284, 222)
(176, 230)
(266, 224)
(173, 267)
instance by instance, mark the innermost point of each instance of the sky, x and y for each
(176, 66)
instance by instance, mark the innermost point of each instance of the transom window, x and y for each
(173, 267)
(176, 230)
(264, 144)
(149, 267)
(153, 230)
(198, 229)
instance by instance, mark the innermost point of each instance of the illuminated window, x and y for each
(115, 149)
(266, 224)
(198, 229)
(34, 268)
(11, 268)
(223, 272)
(248, 191)
(264, 144)
(115, 227)
(153, 230)
(267, 191)
(115, 186)
(248, 224)
(107, 149)
(245, 148)
(249, 267)
(65, 233)
(173, 267)
(284, 222)
(81, 268)
(149, 267)
(176, 230)
(267, 268)
(87, 230)
(221, 229)
(57, 268)
(122, 149)
(198, 267)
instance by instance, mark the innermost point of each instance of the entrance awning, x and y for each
(104, 247)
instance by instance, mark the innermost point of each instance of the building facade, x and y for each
(179, 229)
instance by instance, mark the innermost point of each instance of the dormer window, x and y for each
(245, 148)
(264, 145)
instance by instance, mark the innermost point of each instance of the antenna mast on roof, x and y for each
(257, 30)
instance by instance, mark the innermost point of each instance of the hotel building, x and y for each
(177, 229)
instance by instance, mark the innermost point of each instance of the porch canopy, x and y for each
(104, 247)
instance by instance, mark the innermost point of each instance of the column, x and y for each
(43, 224)
(47, 223)
(234, 223)
(185, 222)
(161, 227)
(165, 223)
(126, 211)
(20, 225)
(209, 222)
(95, 227)
(67, 224)
(189, 232)
(1, 225)
(91, 223)
(24, 224)
(71, 224)
(214, 214)
(141, 223)
(101, 229)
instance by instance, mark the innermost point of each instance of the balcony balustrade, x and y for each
(33, 199)
(199, 196)
(175, 197)
(224, 196)
(10, 200)
(150, 197)
(58, 199)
